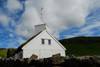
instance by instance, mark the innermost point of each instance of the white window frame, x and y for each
(46, 40)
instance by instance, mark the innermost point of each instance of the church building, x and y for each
(43, 44)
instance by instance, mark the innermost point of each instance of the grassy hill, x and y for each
(80, 46)
(3, 52)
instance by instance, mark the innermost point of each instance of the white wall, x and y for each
(49, 53)
(36, 47)
(41, 53)
(17, 55)
(27, 53)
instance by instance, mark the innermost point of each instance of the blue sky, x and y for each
(65, 19)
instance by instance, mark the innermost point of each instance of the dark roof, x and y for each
(21, 46)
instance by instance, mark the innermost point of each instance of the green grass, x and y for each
(81, 46)
(3, 52)
(82, 50)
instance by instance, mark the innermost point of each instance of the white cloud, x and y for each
(58, 14)
(27, 21)
(89, 27)
(4, 20)
(86, 31)
(70, 36)
(11, 44)
(14, 6)
(9, 8)
(14, 43)
(20, 40)
(13, 23)
(11, 35)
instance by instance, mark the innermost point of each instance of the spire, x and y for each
(41, 27)
(41, 12)
(42, 17)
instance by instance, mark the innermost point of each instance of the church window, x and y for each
(49, 42)
(43, 41)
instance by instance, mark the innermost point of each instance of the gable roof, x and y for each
(56, 40)
(21, 46)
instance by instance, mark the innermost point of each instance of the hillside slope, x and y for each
(80, 46)
(3, 52)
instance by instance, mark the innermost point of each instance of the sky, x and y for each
(65, 18)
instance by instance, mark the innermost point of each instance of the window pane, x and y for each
(49, 41)
(42, 41)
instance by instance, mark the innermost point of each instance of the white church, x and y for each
(43, 44)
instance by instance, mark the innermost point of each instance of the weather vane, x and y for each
(41, 11)
(42, 14)
(42, 17)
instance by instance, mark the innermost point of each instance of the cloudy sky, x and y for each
(65, 18)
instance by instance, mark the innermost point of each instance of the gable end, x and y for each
(56, 40)
(21, 46)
